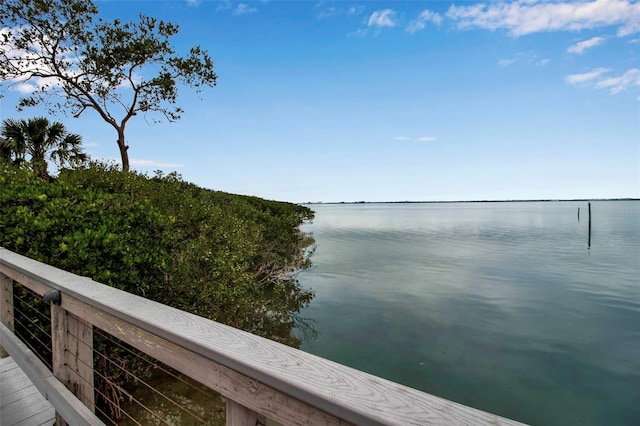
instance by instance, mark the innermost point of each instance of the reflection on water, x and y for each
(513, 308)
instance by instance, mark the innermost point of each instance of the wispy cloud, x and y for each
(420, 139)
(533, 16)
(506, 62)
(585, 77)
(193, 2)
(137, 162)
(331, 11)
(355, 10)
(29, 60)
(631, 78)
(382, 18)
(223, 5)
(362, 32)
(524, 57)
(243, 8)
(237, 9)
(628, 80)
(420, 23)
(581, 46)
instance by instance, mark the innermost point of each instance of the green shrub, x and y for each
(226, 257)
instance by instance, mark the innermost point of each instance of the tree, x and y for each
(72, 60)
(5, 152)
(37, 138)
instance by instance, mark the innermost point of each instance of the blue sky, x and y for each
(393, 100)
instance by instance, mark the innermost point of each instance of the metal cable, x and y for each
(22, 314)
(133, 399)
(158, 365)
(105, 416)
(31, 305)
(114, 403)
(195, 416)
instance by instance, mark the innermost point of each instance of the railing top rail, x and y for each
(346, 393)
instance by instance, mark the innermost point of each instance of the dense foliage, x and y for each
(227, 257)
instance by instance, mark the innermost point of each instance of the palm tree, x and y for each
(5, 151)
(39, 139)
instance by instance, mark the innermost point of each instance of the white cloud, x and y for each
(524, 57)
(242, 8)
(29, 61)
(580, 47)
(626, 81)
(532, 16)
(420, 23)
(401, 138)
(382, 18)
(427, 138)
(336, 11)
(586, 77)
(506, 62)
(193, 2)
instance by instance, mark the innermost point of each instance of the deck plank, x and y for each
(20, 401)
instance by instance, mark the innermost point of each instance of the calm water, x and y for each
(500, 306)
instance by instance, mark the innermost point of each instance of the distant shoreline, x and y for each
(470, 201)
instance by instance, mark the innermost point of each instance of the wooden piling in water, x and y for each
(589, 243)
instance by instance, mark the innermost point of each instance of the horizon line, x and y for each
(475, 201)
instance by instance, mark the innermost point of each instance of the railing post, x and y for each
(239, 415)
(6, 305)
(72, 348)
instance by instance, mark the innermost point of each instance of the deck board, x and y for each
(20, 401)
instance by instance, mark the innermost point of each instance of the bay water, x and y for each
(521, 309)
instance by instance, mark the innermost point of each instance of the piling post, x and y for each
(72, 352)
(6, 306)
(589, 243)
(238, 415)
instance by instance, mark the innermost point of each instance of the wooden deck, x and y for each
(20, 401)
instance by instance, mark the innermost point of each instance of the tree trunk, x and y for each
(124, 154)
(40, 168)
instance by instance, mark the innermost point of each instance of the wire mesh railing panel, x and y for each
(133, 388)
(32, 322)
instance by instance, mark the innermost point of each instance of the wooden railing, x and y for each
(259, 378)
